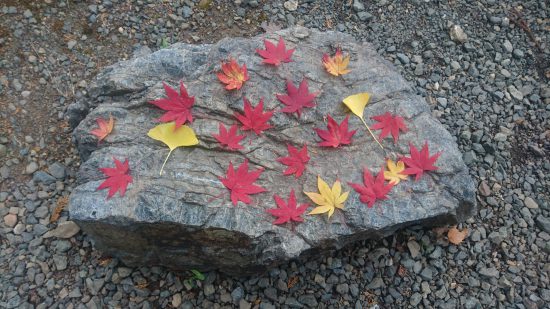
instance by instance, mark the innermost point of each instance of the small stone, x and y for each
(209, 289)
(543, 223)
(484, 188)
(489, 272)
(308, 300)
(60, 262)
(57, 170)
(457, 34)
(515, 93)
(71, 44)
(508, 46)
(31, 168)
(530, 203)
(291, 5)
(342, 288)
(176, 300)
(243, 304)
(364, 16)
(10, 220)
(65, 229)
(414, 248)
(43, 177)
(358, 6)
(237, 294)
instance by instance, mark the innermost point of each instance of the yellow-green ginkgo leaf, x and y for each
(328, 198)
(356, 104)
(172, 137)
(393, 174)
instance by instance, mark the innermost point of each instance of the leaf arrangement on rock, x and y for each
(240, 182)
(275, 55)
(229, 139)
(233, 75)
(297, 98)
(118, 178)
(287, 211)
(328, 199)
(296, 160)
(177, 105)
(336, 65)
(372, 189)
(254, 119)
(336, 134)
(104, 128)
(173, 137)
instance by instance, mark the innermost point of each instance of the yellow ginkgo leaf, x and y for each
(356, 104)
(393, 174)
(172, 137)
(328, 198)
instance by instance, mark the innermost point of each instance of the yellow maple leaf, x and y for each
(328, 198)
(172, 137)
(356, 104)
(336, 65)
(393, 174)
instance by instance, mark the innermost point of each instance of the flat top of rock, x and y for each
(190, 193)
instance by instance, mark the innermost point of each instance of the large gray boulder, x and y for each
(184, 220)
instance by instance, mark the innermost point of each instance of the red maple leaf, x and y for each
(232, 75)
(229, 139)
(275, 54)
(241, 182)
(117, 180)
(372, 189)
(419, 162)
(287, 211)
(254, 118)
(337, 134)
(389, 124)
(297, 98)
(177, 105)
(296, 160)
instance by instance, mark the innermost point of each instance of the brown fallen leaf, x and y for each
(105, 260)
(455, 236)
(61, 204)
(292, 281)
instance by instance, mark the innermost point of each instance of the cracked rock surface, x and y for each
(184, 218)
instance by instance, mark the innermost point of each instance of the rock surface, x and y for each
(179, 219)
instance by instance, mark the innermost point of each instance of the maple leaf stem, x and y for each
(163, 164)
(372, 134)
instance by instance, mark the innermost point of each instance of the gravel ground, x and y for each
(483, 65)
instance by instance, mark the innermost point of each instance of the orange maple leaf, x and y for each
(336, 65)
(104, 129)
(233, 75)
(455, 236)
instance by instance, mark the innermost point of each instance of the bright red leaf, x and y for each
(389, 123)
(254, 118)
(118, 178)
(372, 189)
(104, 128)
(337, 134)
(287, 211)
(275, 55)
(177, 105)
(297, 98)
(241, 182)
(296, 160)
(419, 162)
(229, 139)
(232, 75)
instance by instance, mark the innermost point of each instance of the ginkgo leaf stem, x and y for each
(168, 156)
(372, 134)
